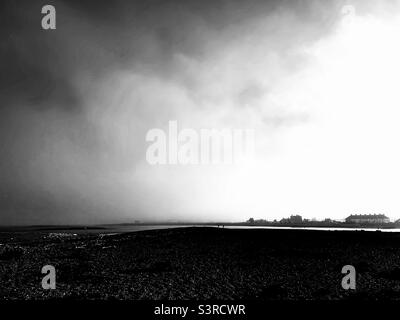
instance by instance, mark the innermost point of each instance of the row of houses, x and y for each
(352, 219)
(367, 218)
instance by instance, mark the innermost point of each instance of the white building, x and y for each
(367, 218)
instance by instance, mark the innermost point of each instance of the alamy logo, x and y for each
(349, 280)
(204, 146)
(49, 280)
(49, 20)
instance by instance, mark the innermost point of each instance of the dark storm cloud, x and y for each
(96, 36)
(32, 67)
(62, 156)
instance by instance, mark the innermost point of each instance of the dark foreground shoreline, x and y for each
(202, 263)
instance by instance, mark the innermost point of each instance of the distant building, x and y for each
(291, 220)
(367, 218)
(296, 219)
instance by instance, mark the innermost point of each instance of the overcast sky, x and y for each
(319, 89)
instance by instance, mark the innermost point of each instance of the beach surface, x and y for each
(200, 263)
